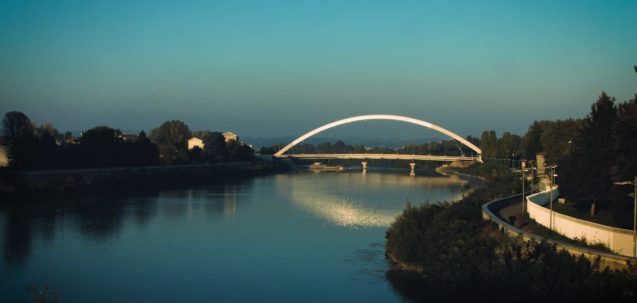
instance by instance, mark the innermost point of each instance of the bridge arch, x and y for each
(381, 117)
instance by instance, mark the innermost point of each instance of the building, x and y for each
(4, 153)
(228, 136)
(195, 142)
(129, 137)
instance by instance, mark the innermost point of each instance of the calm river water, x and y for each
(299, 237)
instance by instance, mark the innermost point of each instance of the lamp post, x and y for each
(551, 182)
(523, 166)
(532, 177)
(634, 212)
(525, 170)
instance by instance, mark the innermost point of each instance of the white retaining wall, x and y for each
(618, 240)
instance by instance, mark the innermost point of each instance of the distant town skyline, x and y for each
(282, 68)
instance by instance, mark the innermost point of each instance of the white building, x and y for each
(230, 136)
(4, 156)
(195, 142)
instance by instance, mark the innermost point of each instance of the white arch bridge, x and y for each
(477, 157)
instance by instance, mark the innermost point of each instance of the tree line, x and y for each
(172, 137)
(591, 153)
(33, 146)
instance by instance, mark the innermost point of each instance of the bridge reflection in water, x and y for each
(359, 201)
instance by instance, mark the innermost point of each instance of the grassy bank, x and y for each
(448, 249)
(127, 179)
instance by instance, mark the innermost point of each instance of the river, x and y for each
(297, 237)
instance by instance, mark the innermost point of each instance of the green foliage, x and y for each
(591, 153)
(237, 151)
(488, 144)
(175, 133)
(596, 149)
(495, 149)
(625, 146)
(532, 144)
(487, 170)
(215, 147)
(624, 165)
(20, 134)
(585, 173)
(559, 138)
(172, 139)
(42, 147)
(459, 253)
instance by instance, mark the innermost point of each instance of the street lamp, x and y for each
(551, 182)
(524, 169)
(523, 166)
(634, 212)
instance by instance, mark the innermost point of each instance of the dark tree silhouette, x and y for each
(144, 152)
(101, 147)
(20, 134)
(624, 166)
(215, 147)
(593, 154)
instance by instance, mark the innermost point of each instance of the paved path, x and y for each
(514, 210)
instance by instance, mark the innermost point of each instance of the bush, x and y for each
(455, 252)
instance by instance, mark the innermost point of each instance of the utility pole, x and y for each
(551, 182)
(523, 166)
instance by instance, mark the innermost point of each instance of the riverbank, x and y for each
(450, 248)
(17, 183)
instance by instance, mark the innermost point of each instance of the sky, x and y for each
(281, 68)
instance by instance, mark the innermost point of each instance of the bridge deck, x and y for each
(381, 156)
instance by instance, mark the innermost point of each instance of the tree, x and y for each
(214, 147)
(594, 153)
(171, 139)
(489, 144)
(101, 146)
(532, 140)
(509, 146)
(238, 151)
(625, 141)
(195, 155)
(624, 166)
(144, 151)
(232, 149)
(48, 151)
(20, 134)
(17, 125)
(558, 139)
(174, 132)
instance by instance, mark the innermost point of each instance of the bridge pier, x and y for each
(412, 165)
(364, 163)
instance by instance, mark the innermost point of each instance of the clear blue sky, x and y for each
(276, 68)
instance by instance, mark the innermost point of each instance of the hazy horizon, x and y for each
(282, 68)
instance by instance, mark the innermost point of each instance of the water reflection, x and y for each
(266, 238)
(375, 206)
(17, 237)
(100, 219)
